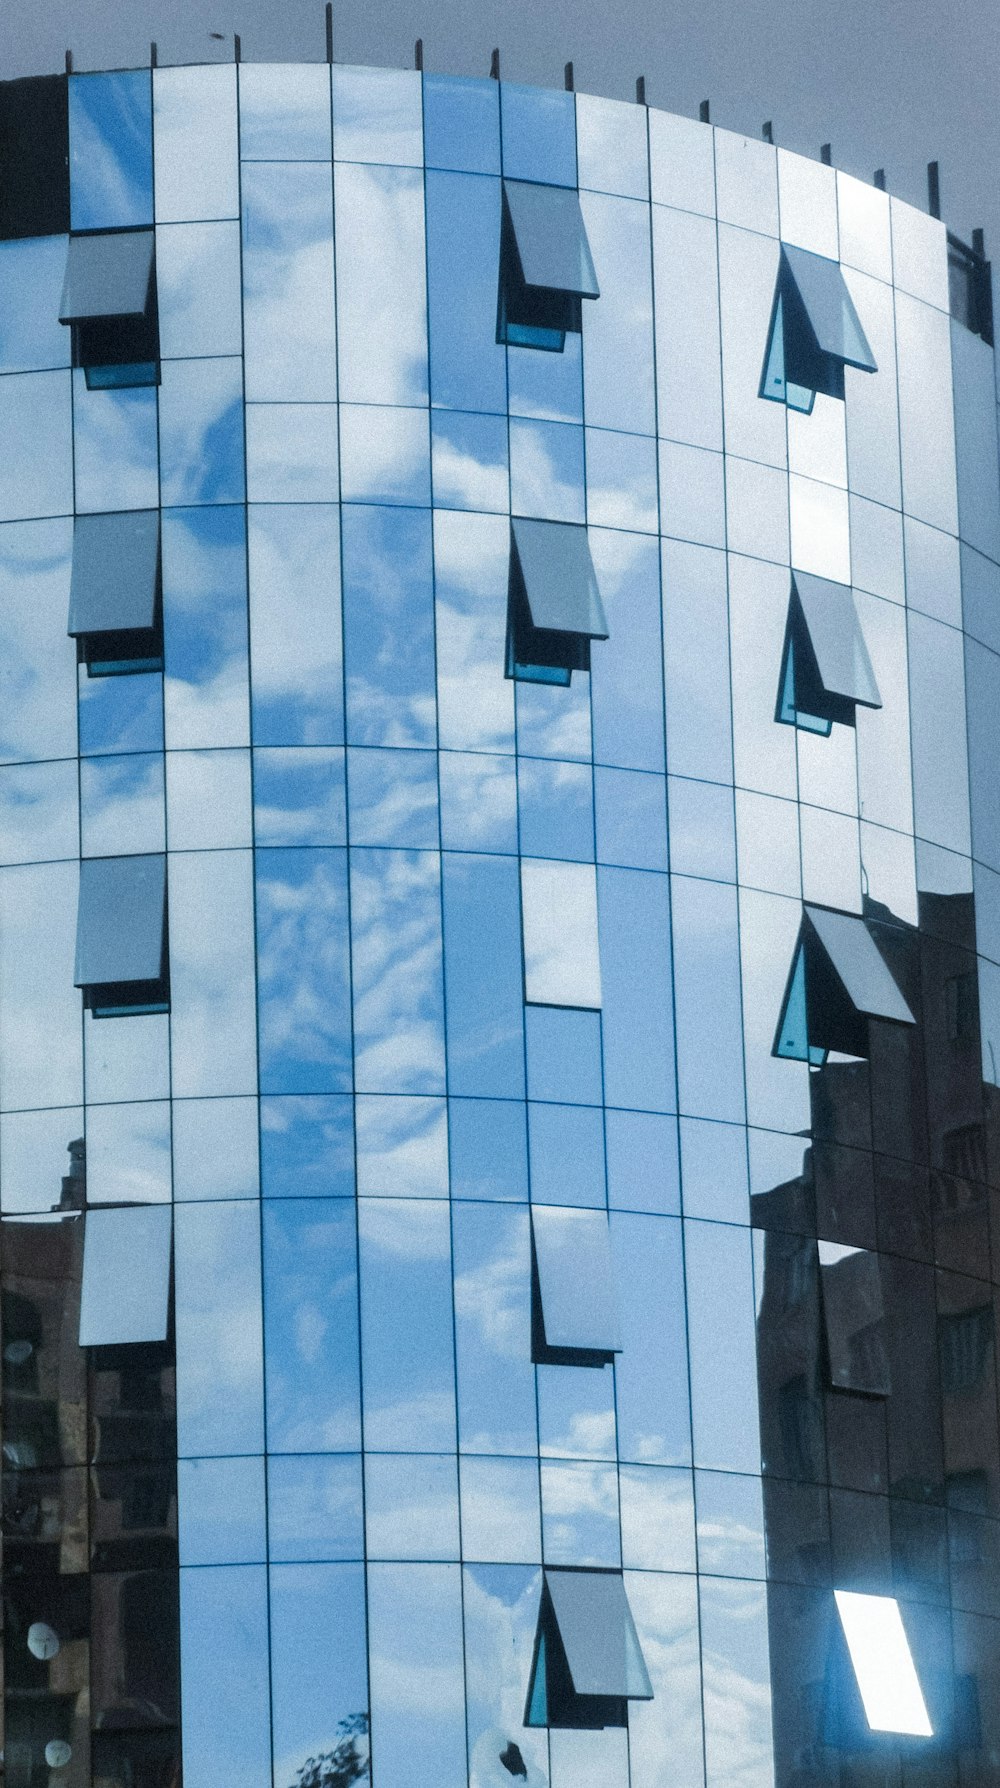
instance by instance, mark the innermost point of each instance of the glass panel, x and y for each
(566, 1152)
(315, 1507)
(547, 471)
(36, 475)
(939, 752)
(576, 1281)
(618, 329)
(746, 182)
(737, 1681)
(411, 1506)
(559, 917)
(396, 962)
(31, 276)
(757, 510)
(927, 450)
(195, 143)
(665, 1734)
(651, 1375)
(714, 1169)
(307, 1146)
(638, 998)
(107, 275)
(580, 1524)
(385, 455)
(288, 303)
(919, 254)
(220, 1400)
(114, 447)
(319, 1691)
(220, 1511)
(201, 431)
(539, 134)
(388, 626)
(40, 1041)
(682, 158)
(292, 453)
(488, 1149)
(696, 662)
(863, 215)
(807, 195)
(627, 686)
(723, 1386)
(621, 481)
(730, 1525)
(402, 1146)
(206, 699)
(126, 1276)
(496, 1381)
(128, 1155)
(311, 1328)
(468, 368)
(630, 818)
(120, 932)
(475, 703)
(748, 266)
(38, 812)
(551, 238)
(642, 1169)
(303, 971)
(461, 124)
(501, 1521)
(129, 542)
(208, 799)
(377, 116)
(295, 626)
(111, 150)
(381, 285)
(611, 146)
(469, 460)
(406, 1289)
(215, 1148)
(415, 1635)
(284, 112)
(393, 797)
(225, 1688)
(212, 1018)
(299, 796)
(555, 809)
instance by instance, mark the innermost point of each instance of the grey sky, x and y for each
(890, 83)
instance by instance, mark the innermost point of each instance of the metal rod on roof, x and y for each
(495, 65)
(878, 179)
(568, 77)
(418, 55)
(826, 154)
(979, 244)
(153, 55)
(767, 131)
(703, 112)
(934, 189)
(640, 90)
(238, 47)
(69, 62)
(329, 30)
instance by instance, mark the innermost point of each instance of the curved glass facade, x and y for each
(500, 901)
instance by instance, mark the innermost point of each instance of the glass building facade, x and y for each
(499, 948)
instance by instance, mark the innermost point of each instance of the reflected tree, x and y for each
(346, 1763)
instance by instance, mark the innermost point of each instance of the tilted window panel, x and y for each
(588, 1663)
(546, 267)
(838, 980)
(114, 603)
(854, 1320)
(883, 1663)
(815, 332)
(121, 936)
(554, 601)
(575, 1316)
(562, 963)
(826, 672)
(125, 1300)
(109, 301)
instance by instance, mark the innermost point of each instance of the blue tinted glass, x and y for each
(406, 1291)
(547, 385)
(393, 797)
(388, 626)
(469, 460)
(220, 1511)
(205, 627)
(482, 930)
(225, 1687)
(295, 629)
(121, 713)
(397, 979)
(637, 993)
(626, 682)
(315, 1507)
(631, 816)
(31, 276)
(539, 135)
(461, 124)
(651, 1377)
(307, 1147)
(310, 1330)
(487, 1141)
(708, 1009)
(110, 150)
(546, 471)
(319, 1691)
(402, 1145)
(555, 809)
(564, 1054)
(566, 1151)
(463, 254)
(302, 982)
(496, 1380)
(201, 431)
(643, 1173)
(114, 447)
(478, 802)
(218, 1310)
(299, 796)
(415, 1621)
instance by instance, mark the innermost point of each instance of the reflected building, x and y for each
(499, 948)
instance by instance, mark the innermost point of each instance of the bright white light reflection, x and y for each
(883, 1664)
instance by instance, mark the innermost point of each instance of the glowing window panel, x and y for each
(883, 1664)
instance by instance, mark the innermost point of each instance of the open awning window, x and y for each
(546, 267)
(554, 601)
(587, 1663)
(815, 332)
(575, 1319)
(125, 1300)
(114, 602)
(854, 1320)
(121, 936)
(839, 980)
(109, 302)
(826, 672)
